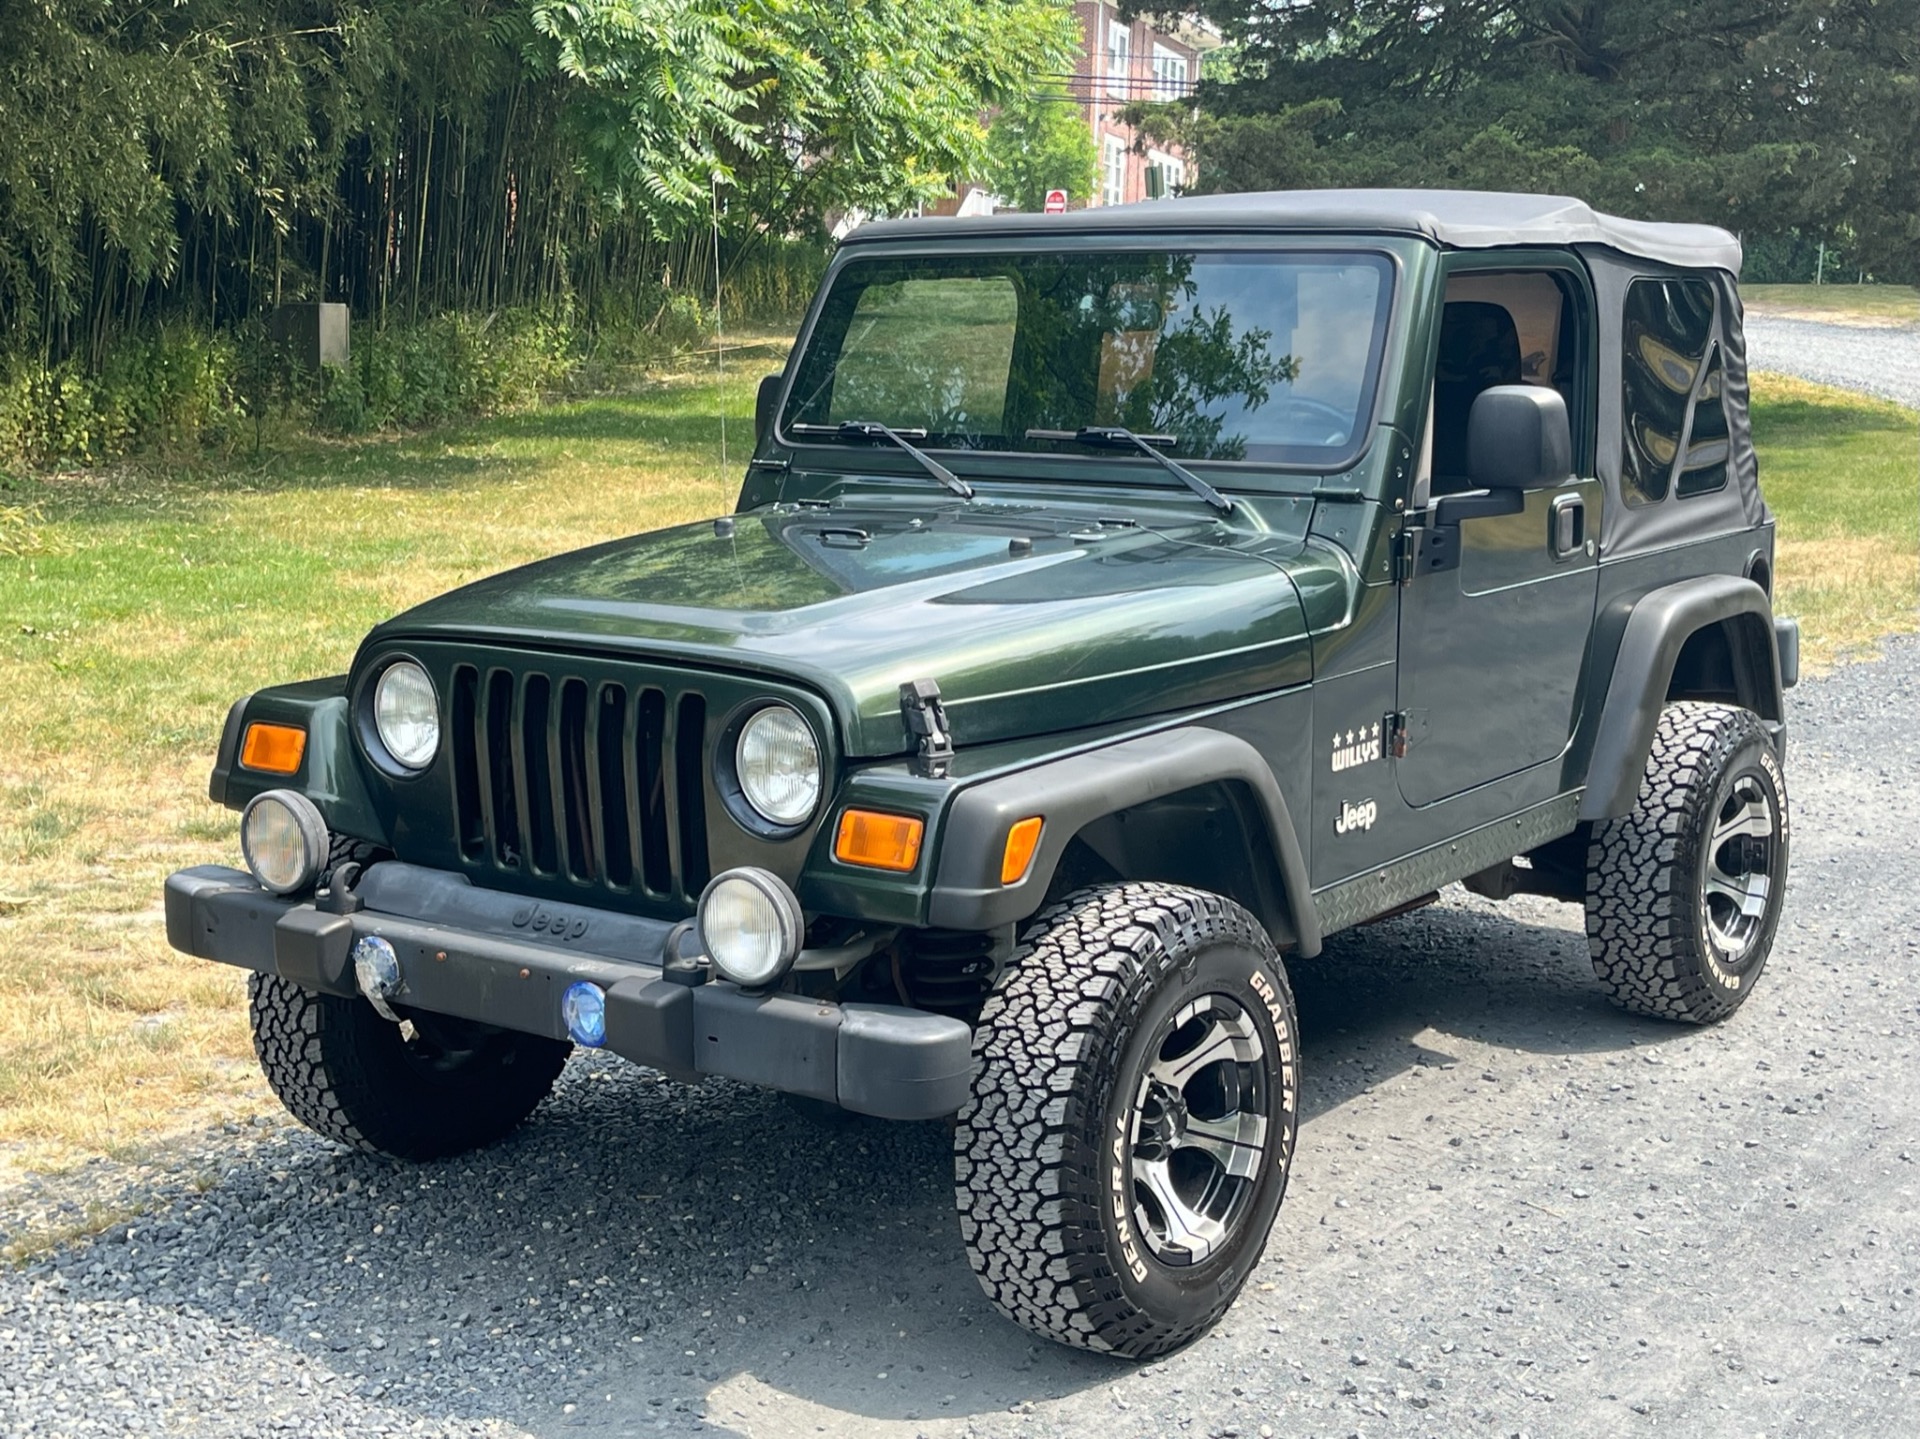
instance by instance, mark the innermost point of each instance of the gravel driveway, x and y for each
(1881, 360)
(1515, 1210)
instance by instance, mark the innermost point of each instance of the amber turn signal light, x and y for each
(273, 748)
(1022, 840)
(878, 841)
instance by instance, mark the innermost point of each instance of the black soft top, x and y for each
(1459, 219)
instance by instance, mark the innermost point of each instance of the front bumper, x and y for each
(461, 954)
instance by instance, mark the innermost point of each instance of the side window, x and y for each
(1503, 327)
(1705, 465)
(1670, 374)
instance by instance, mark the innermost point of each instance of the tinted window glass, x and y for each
(1236, 356)
(1668, 333)
(1705, 466)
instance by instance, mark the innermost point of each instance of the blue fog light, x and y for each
(584, 1007)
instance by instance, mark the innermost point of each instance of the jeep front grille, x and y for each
(595, 782)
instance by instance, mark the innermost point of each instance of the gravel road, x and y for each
(1515, 1210)
(1881, 360)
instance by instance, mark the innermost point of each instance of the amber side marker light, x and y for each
(273, 748)
(1022, 842)
(878, 841)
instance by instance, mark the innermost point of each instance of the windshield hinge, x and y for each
(926, 720)
(1406, 545)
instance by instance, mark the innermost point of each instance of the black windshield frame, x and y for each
(831, 313)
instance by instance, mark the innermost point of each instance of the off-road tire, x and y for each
(345, 849)
(1648, 928)
(1059, 1058)
(358, 1079)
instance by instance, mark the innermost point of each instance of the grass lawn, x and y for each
(136, 604)
(1842, 473)
(1878, 304)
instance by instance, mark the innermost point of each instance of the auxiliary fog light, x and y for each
(283, 840)
(584, 1007)
(750, 926)
(376, 969)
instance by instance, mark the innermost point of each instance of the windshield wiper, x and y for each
(1119, 437)
(874, 430)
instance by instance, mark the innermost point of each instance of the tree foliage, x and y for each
(1040, 141)
(209, 157)
(1766, 116)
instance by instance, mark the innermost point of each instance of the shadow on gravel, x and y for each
(648, 1254)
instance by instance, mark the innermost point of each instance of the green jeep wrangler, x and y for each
(1115, 603)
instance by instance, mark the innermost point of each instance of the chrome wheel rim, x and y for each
(1738, 883)
(1198, 1128)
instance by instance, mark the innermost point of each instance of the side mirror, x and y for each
(1518, 438)
(763, 403)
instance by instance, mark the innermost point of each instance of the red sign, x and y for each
(1056, 202)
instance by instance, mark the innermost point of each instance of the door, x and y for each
(1493, 642)
(1495, 618)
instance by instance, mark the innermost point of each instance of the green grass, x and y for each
(1842, 473)
(137, 603)
(1881, 304)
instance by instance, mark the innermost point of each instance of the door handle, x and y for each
(1567, 526)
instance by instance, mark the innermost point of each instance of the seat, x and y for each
(1479, 348)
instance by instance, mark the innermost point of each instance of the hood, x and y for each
(1032, 619)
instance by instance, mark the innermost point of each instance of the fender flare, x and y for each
(1071, 793)
(1657, 626)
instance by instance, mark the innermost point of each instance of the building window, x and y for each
(1113, 171)
(1119, 60)
(1166, 175)
(1169, 74)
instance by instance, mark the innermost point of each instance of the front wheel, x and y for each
(1132, 1120)
(1684, 892)
(428, 1088)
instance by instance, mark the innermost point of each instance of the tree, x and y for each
(208, 158)
(1040, 141)
(1760, 115)
(798, 108)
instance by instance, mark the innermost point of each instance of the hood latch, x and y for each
(926, 720)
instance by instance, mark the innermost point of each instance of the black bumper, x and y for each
(460, 954)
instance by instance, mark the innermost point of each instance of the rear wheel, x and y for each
(1684, 893)
(1132, 1121)
(427, 1088)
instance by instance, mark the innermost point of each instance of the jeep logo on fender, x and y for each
(538, 919)
(1356, 817)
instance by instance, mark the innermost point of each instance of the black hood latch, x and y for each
(926, 720)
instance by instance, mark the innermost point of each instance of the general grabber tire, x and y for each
(432, 1088)
(1684, 893)
(1132, 1120)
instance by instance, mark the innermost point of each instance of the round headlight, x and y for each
(283, 839)
(778, 765)
(750, 926)
(406, 714)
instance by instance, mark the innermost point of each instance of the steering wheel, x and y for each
(1299, 412)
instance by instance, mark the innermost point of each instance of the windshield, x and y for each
(1265, 356)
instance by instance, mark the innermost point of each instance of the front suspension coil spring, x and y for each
(945, 971)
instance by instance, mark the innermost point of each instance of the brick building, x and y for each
(1124, 61)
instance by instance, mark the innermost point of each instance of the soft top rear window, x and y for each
(1267, 356)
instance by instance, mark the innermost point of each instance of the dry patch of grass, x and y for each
(1836, 304)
